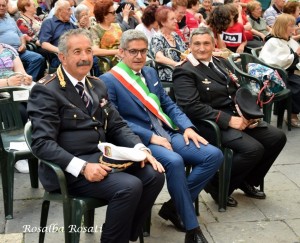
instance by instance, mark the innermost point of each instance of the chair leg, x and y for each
(89, 216)
(280, 112)
(33, 172)
(74, 222)
(197, 206)
(147, 226)
(267, 110)
(224, 179)
(7, 174)
(289, 112)
(43, 221)
(141, 237)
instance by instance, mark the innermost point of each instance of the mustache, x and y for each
(83, 63)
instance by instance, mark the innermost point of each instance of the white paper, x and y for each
(18, 146)
(20, 95)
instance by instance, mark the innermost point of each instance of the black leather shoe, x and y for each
(251, 191)
(168, 212)
(213, 191)
(195, 236)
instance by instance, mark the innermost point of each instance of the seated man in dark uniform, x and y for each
(205, 89)
(70, 116)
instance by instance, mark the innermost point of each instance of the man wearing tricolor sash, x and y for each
(141, 100)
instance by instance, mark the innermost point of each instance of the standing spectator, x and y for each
(10, 34)
(149, 25)
(273, 11)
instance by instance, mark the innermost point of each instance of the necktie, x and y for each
(80, 87)
(156, 122)
(216, 70)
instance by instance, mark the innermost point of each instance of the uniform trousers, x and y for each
(130, 195)
(253, 155)
(184, 190)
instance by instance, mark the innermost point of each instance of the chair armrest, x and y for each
(60, 176)
(216, 132)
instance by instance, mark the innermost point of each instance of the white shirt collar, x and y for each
(195, 62)
(73, 80)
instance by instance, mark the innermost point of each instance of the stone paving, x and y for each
(276, 219)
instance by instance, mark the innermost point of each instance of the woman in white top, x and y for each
(281, 50)
(149, 25)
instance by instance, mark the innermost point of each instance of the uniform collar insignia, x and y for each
(61, 78)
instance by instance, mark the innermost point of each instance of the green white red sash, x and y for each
(136, 86)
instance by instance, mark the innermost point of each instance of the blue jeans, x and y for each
(34, 64)
(184, 190)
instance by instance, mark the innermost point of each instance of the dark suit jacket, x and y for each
(133, 111)
(63, 128)
(202, 94)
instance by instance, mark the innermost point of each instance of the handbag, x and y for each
(271, 82)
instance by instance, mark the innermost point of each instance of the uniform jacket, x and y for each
(133, 111)
(202, 94)
(63, 128)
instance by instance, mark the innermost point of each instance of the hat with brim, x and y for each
(247, 105)
(119, 158)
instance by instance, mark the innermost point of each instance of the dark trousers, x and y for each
(253, 155)
(130, 197)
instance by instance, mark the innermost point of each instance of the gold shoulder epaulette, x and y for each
(48, 78)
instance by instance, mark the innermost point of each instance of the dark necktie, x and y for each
(88, 104)
(213, 67)
(156, 123)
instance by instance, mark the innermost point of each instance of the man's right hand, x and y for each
(96, 172)
(239, 123)
(158, 140)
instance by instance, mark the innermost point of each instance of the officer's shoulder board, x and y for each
(47, 79)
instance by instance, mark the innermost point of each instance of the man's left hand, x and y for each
(155, 164)
(189, 133)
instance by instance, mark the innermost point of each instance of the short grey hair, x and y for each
(59, 4)
(64, 39)
(80, 8)
(202, 31)
(131, 35)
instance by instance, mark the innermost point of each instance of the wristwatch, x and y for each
(83, 168)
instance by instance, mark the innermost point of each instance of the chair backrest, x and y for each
(240, 61)
(10, 116)
(57, 170)
(255, 51)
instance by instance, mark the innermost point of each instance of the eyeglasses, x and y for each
(135, 52)
(112, 12)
